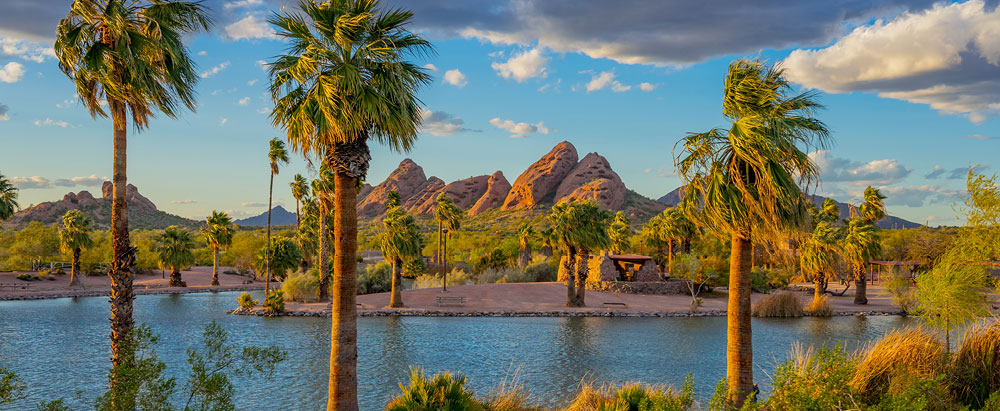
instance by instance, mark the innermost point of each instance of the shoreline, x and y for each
(595, 312)
(51, 295)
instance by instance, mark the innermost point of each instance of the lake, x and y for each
(60, 346)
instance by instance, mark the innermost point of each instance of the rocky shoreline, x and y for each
(47, 295)
(258, 311)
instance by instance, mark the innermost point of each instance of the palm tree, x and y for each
(563, 223)
(675, 228)
(174, 249)
(8, 198)
(322, 189)
(745, 182)
(345, 79)
(308, 232)
(524, 234)
(653, 235)
(74, 236)
(300, 190)
(819, 255)
(218, 233)
(548, 238)
(861, 240)
(401, 240)
(276, 155)
(130, 54)
(591, 225)
(442, 213)
(283, 255)
(620, 233)
(449, 217)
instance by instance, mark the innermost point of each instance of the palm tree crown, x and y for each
(174, 248)
(132, 53)
(872, 208)
(276, 154)
(76, 231)
(8, 198)
(219, 230)
(300, 187)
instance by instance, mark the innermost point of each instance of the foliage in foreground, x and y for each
(779, 304)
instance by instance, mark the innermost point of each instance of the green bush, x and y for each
(375, 279)
(414, 268)
(24, 277)
(634, 397)
(442, 392)
(456, 277)
(246, 301)
(541, 271)
(274, 302)
(301, 286)
(813, 380)
(760, 281)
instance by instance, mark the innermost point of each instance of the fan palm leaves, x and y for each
(745, 182)
(819, 254)
(74, 236)
(218, 233)
(276, 155)
(524, 235)
(174, 248)
(401, 240)
(346, 78)
(8, 198)
(872, 209)
(620, 233)
(300, 190)
(580, 226)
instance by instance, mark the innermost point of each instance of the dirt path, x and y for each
(198, 279)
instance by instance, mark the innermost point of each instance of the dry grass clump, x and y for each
(913, 352)
(779, 304)
(819, 307)
(634, 396)
(509, 395)
(975, 367)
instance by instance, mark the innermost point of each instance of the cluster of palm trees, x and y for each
(402, 240)
(580, 227)
(74, 236)
(855, 240)
(672, 230)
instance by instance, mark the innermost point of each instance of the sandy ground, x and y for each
(198, 279)
(550, 298)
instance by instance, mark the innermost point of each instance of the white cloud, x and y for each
(27, 50)
(455, 78)
(523, 66)
(215, 70)
(648, 86)
(92, 180)
(841, 170)
(48, 122)
(183, 202)
(253, 204)
(244, 101)
(946, 57)
(519, 130)
(263, 64)
(3, 112)
(918, 196)
(958, 173)
(430, 67)
(11, 72)
(223, 121)
(203, 53)
(252, 82)
(981, 137)
(242, 3)
(439, 123)
(606, 80)
(28, 183)
(250, 27)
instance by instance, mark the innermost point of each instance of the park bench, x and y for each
(622, 305)
(13, 287)
(450, 300)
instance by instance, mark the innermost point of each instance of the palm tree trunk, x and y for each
(175, 277)
(437, 254)
(75, 270)
(267, 251)
(343, 387)
(215, 265)
(444, 258)
(860, 292)
(524, 256)
(122, 252)
(670, 256)
(570, 276)
(739, 348)
(582, 262)
(296, 215)
(324, 255)
(396, 299)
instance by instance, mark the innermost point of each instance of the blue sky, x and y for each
(912, 92)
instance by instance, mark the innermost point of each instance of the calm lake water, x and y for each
(60, 347)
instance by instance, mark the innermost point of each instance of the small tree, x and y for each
(8, 198)
(75, 236)
(524, 234)
(174, 249)
(689, 267)
(950, 296)
(218, 233)
(285, 255)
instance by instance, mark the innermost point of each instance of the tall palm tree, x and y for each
(818, 255)
(218, 233)
(174, 250)
(861, 240)
(742, 182)
(323, 192)
(591, 226)
(524, 234)
(75, 236)
(401, 240)
(276, 155)
(346, 79)
(8, 198)
(130, 54)
(300, 190)
(548, 238)
(448, 216)
(620, 233)
(563, 222)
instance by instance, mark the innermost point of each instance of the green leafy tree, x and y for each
(818, 256)
(131, 54)
(524, 234)
(675, 228)
(284, 256)
(951, 296)
(8, 198)
(174, 249)
(11, 387)
(401, 241)
(75, 236)
(218, 233)
(346, 79)
(276, 155)
(620, 233)
(744, 182)
(300, 190)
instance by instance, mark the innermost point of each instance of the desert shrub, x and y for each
(441, 392)
(496, 259)
(541, 271)
(230, 272)
(301, 286)
(759, 280)
(24, 277)
(819, 307)
(375, 279)
(912, 352)
(779, 304)
(634, 397)
(813, 379)
(414, 267)
(246, 300)
(901, 291)
(11, 387)
(517, 276)
(503, 275)
(456, 277)
(274, 302)
(778, 278)
(975, 367)
(912, 392)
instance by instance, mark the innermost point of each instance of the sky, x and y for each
(911, 91)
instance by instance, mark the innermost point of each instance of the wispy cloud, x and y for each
(183, 202)
(48, 122)
(214, 70)
(519, 130)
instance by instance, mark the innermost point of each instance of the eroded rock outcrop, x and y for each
(464, 193)
(593, 179)
(405, 180)
(425, 194)
(536, 184)
(497, 188)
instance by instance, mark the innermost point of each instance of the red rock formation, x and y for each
(496, 191)
(540, 180)
(405, 180)
(425, 194)
(464, 193)
(593, 179)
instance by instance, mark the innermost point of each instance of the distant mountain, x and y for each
(674, 197)
(279, 216)
(142, 213)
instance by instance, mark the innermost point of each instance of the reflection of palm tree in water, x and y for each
(575, 354)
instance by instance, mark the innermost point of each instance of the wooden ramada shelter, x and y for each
(875, 275)
(630, 267)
